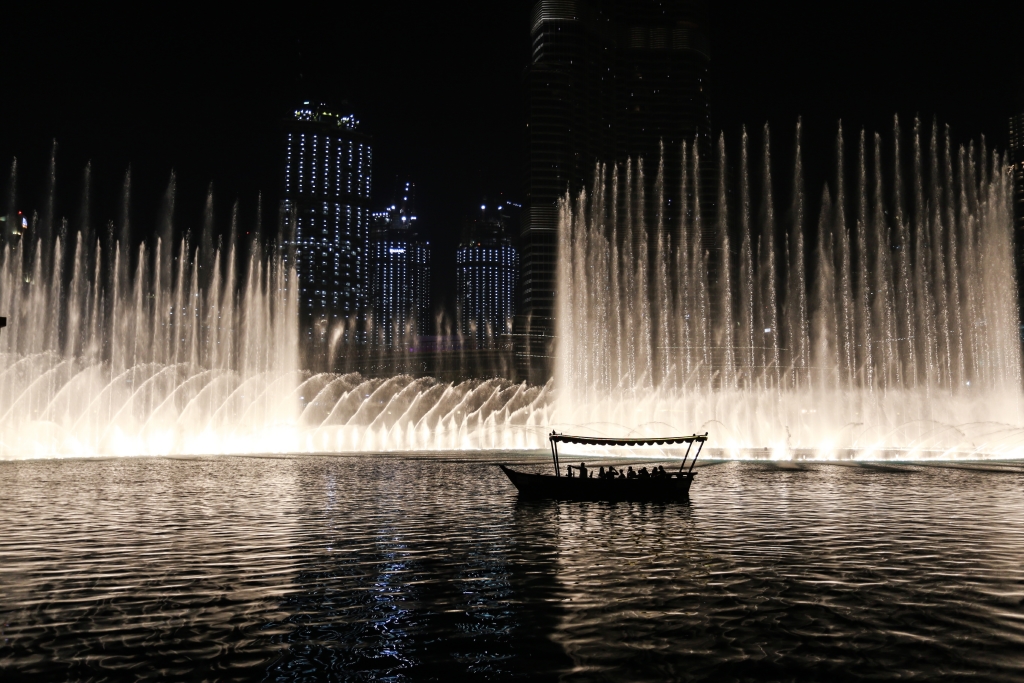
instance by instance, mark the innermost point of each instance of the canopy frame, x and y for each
(556, 438)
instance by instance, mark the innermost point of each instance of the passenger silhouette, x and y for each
(644, 474)
(583, 470)
(600, 473)
(568, 468)
(630, 474)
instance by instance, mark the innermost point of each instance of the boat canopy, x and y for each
(632, 441)
(699, 439)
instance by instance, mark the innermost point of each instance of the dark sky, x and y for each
(439, 86)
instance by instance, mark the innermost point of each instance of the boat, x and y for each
(674, 487)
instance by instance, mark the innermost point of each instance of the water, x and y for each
(882, 317)
(398, 568)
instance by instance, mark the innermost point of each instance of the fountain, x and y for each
(181, 348)
(886, 328)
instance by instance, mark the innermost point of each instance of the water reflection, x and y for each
(393, 568)
(393, 589)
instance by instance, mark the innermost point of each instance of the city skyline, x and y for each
(212, 119)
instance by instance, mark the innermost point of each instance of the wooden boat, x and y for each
(676, 486)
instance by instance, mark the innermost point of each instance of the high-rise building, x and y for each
(400, 272)
(487, 268)
(608, 81)
(1016, 154)
(326, 192)
(1017, 167)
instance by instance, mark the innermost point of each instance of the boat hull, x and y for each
(550, 487)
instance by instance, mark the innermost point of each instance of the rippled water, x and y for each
(405, 568)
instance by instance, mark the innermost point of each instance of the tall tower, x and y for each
(609, 81)
(326, 192)
(400, 272)
(662, 60)
(1016, 154)
(487, 267)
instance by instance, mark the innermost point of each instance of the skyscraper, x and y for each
(1016, 154)
(1017, 165)
(570, 111)
(326, 191)
(609, 81)
(487, 267)
(400, 272)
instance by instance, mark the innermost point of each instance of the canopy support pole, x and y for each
(554, 456)
(689, 445)
(696, 455)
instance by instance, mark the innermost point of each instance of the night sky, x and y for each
(439, 86)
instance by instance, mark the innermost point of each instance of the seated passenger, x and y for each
(630, 474)
(644, 474)
(661, 472)
(612, 473)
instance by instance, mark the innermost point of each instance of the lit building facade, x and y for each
(487, 271)
(400, 273)
(327, 179)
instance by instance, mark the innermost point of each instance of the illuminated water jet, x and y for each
(194, 350)
(887, 329)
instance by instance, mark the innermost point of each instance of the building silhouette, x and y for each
(399, 273)
(487, 269)
(326, 198)
(1017, 166)
(1016, 159)
(609, 81)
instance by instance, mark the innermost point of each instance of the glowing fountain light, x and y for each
(890, 319)
(193, 349)
(886, 327)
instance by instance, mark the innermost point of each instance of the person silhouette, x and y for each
(583, 470)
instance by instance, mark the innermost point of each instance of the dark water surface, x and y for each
(404, 568)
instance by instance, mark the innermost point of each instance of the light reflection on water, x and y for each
(413, 568)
